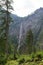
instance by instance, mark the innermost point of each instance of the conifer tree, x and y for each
(6, 7)
(29, 41)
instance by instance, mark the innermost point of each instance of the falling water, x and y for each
(20, 35)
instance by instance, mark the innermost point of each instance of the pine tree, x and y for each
(29, 41)
(6, 4)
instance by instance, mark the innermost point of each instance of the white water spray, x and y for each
(20, 36)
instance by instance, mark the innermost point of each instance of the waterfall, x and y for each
(20, 35)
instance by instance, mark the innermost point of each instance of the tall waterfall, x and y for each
(20, 35)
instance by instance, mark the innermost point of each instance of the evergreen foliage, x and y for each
(29, 41)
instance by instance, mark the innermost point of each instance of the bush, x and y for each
(21, 61)
(12, 62)
(10, 57)
(39, 56)
(3, 59)
(41, 63)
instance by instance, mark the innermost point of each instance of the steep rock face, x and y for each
(33, 21)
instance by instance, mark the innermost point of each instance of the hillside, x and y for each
(33, 21)
(21, 25)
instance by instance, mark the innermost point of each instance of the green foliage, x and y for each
(41, 63)
(29, 41)
(21, 61)
(26, 60)
(12, 62)
(3, 58)
(5, 19)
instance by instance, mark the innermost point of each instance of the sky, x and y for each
(25, 7)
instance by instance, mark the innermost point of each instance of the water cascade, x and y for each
(20, 36)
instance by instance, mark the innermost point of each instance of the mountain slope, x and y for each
(33, 21)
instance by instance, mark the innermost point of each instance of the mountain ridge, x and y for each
(33, 21)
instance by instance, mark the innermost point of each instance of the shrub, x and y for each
(39, 57)
(12, 62)
(41, 63)
(3, 59)
(21, 61)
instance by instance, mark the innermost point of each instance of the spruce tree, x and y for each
(29, 41)
(5, 10)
